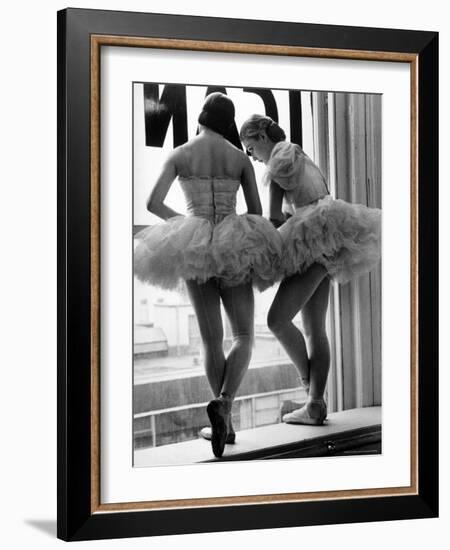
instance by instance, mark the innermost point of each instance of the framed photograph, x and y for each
(247, 285)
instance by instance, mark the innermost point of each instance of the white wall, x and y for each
(28, 289)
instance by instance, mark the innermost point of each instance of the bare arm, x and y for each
(276, 194)
(250, 188)
(155, 202)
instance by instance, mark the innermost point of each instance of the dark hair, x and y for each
(217, 113)
(256, 124)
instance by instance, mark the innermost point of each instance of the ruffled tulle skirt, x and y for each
(343, 237)
(237, 250)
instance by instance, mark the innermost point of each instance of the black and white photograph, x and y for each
(257, 293)
(221, 280)
(243, 300)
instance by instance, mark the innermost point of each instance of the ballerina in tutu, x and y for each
(325, 238)
(218, 253)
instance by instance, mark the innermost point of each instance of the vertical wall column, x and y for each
(347, 146)
(322, 104)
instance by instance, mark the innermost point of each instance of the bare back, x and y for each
(209, 155)
(206, 155)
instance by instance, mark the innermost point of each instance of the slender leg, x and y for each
(293, 293)
(205, 299)
(239, 305)
(314, 315)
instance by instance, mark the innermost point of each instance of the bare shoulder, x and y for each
(242, 159)
(175, 156)
(238, 159)
(177, 153)
(246, 162)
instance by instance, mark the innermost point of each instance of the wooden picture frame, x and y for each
(81, 35)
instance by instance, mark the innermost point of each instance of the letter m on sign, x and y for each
(158, 112)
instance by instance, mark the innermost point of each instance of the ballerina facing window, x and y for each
(325, 238)
(219, 254)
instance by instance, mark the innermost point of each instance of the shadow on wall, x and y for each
(47, 526)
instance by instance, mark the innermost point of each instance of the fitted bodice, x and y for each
(212, 198)
(296, 173)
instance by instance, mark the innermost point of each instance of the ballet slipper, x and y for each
(313, 413)
(206, 433)
(289, 405)
(219, 412)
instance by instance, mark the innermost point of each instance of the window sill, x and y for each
(355, 431)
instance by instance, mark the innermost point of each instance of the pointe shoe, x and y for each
(206, 433)
(313, 413)
(219, 412)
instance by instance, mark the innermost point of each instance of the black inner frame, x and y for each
(75, 521)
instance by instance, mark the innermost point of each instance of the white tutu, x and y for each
(343, 237)
(238, 249)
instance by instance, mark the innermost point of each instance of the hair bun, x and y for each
(217, 113)
(275, 132)
(256, 124)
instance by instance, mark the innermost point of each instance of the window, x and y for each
(342, 133)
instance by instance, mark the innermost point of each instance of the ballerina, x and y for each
(324, 239)
(219, 254)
